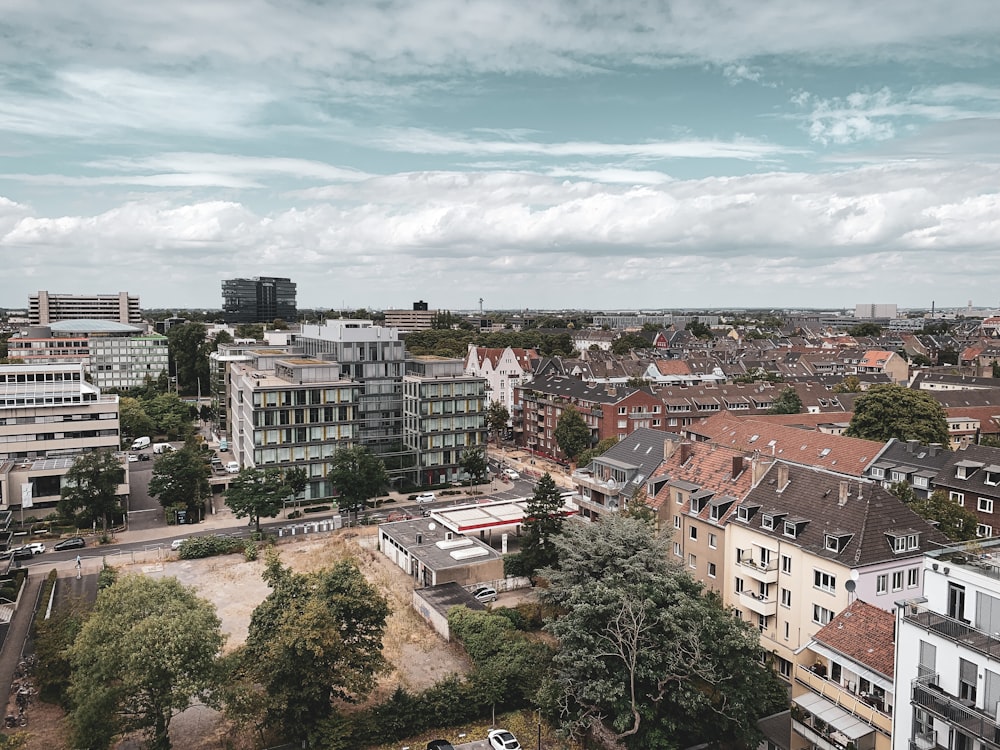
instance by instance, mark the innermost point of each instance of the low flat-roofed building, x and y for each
(434, 602)
(432, 553)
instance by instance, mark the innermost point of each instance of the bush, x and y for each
(295, 514)
(316, 509)
(250, 551)
(207, 546)
(106, 577)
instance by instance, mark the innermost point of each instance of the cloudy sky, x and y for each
(543, 153)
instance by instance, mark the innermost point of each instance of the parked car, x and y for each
(19, 553)
(143, 456)
(133, 458)
(440, 745)
(176, 544)
(511, 475)
(426, 497)
(485, 594)
(501, 739)
(36, 548)
(74, 542)
(233, 467)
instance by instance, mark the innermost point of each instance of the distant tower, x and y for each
(480, 305)
(932, 309)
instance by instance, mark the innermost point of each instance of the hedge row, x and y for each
(208, 546)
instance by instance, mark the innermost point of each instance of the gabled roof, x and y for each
(870, 515)
(976, 457)
(707, 467)
(642, 449)
(673, 367)
(863, 633)
(843, 455)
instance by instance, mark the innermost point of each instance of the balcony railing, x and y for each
(955, 630)
(759, 603)
(590, 505)
(963, 714)
(851, 702)
(757, 569)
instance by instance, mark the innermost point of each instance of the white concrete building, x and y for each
(503, 369)
(45, 308)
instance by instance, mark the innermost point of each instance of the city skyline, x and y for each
(559, 155)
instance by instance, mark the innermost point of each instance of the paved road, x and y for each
(144, 512)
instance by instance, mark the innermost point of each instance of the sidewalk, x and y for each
(533, 467)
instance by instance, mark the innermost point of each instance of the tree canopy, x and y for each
(189, 350)
(644, 658)
(257, 493)
(180, 478)
(787, 402)
(955, 522)
(497, 418)
(147, 650)
(572, 434)
(542, 523)
(473, 462)
(315, 639)
(865, 329)
(598, 450)
(358, 476)
(628, 342)
(90, 491)
(698, 329)
(893, 411)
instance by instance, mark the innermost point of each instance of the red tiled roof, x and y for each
(673, 367)
(844, 455)
(864, 633)
(708, 466)
(875, 357)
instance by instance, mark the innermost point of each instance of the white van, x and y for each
(139, 443)
(162, 447)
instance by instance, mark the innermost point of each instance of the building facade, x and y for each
(45, 308)
(444, 415)
(49, 415)
(261, 299)
(417, 319)
(503, 369)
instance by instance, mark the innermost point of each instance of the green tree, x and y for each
(90, 491)
(316, 638)
(180, 479)
(543, 522)
(872, 330)
(996, 368)
(221, 337)
(644, 657)
(955, 522)
(497, 418)
(850, 384)
(572, 433)
(250, 331)
(257, 493)
(628, 342)
(148, 649)
(903, 491)
(189, 351)
(135, 422)
(297, 481)
(893, 411)
(473, 463)
(358, 476)
(598, 450)
(171, 416)
(699, 330)
(787, 402)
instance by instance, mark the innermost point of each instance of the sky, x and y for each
(539, 154)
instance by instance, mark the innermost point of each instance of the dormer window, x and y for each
(904, 542)
(794, 526)
(992, 475)
(771, 520)
(878, 472)
(836, 542)
(745, 512)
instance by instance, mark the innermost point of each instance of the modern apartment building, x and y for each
(49, 415)
(417, 319)
(115, 355)
(220, 374)
(291, 411)
(444, 415)
(261, 299)
(947, 681)
(45, 308)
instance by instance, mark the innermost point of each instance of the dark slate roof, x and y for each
(642, 449)
(970, 456)
(560, 385)
(913, 454)
(869, 515)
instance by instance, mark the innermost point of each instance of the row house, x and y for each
(804, 543)
(502, 369)
(971, 477)
(843, 690)
(693, 493)
(619, 475)
(843, 455)
(910, 461)
(947, 669)
(878, 361)
(609, 411)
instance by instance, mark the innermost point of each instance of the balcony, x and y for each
(957, 631)
(829, 726)
(587, 479)
(757, 569)
(926, 741)
(840, 696)
(594, 507)
(962, 714)
(759, 603)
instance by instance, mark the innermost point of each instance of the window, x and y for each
(958, 497)
(767, 522)
(786, 564)
(743, 513)
(785, 667)
(912, 578)
(832, 543)
(711, 570)
(692, 561)
(882, 583)
(677, 549)
(693, 533)
(677, 522)
(985, 505)
(984, 530)
(897, 580)
(787, 629)
(824, 581)
(786, 598)
(821, 615)
(877, 472)
(791, 529)
(713, 541)
(739, 585)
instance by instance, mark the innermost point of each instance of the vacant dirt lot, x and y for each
(417, 655)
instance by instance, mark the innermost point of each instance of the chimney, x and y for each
(911, 445)
(935, 448)
(782, 477)
(758, 468)
(737, 466)
(845, 492)
(686, 449)
(669, 446)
